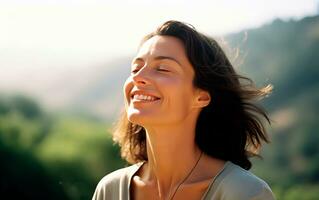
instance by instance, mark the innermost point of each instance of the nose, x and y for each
(141, 77)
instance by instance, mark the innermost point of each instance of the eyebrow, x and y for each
(160, 58)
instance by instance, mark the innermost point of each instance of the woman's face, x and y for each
(159, 90)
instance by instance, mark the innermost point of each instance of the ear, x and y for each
(202, 99)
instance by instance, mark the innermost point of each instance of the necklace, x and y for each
(200, 156)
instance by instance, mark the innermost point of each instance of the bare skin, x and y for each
(193, 189)
(162, 70)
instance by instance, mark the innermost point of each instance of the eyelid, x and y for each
(160, 68)
(135, 68)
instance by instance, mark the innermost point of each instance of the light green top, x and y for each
(231, 183)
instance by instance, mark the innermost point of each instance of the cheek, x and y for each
(179, 87)
(180, 94)
(184, 97)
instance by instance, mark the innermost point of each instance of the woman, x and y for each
(189, 124)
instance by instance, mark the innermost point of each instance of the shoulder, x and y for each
(238, 183)
(113, 177)
(114, 183)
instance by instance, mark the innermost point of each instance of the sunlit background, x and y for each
(63, 64)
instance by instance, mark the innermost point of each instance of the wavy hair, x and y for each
(231, 127)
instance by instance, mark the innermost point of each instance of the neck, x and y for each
(172, 153)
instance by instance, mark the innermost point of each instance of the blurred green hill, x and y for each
(55, 155)
(283, 53)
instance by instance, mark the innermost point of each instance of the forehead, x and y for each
(163, 46)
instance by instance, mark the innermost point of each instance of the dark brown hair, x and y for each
(231, 126)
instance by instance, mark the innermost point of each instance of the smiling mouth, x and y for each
(143, 98)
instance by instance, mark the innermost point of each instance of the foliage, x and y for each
(23, 176)
(51, 157)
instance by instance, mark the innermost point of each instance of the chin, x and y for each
(136, 118)
(141, 120)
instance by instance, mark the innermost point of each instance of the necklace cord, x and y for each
(187, 176)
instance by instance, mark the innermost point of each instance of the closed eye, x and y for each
(162, 69)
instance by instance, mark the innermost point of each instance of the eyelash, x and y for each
(162, 70)
(158, 69)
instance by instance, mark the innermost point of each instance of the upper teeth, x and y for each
(143, 97)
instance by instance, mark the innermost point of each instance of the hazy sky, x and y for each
(79, 33)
